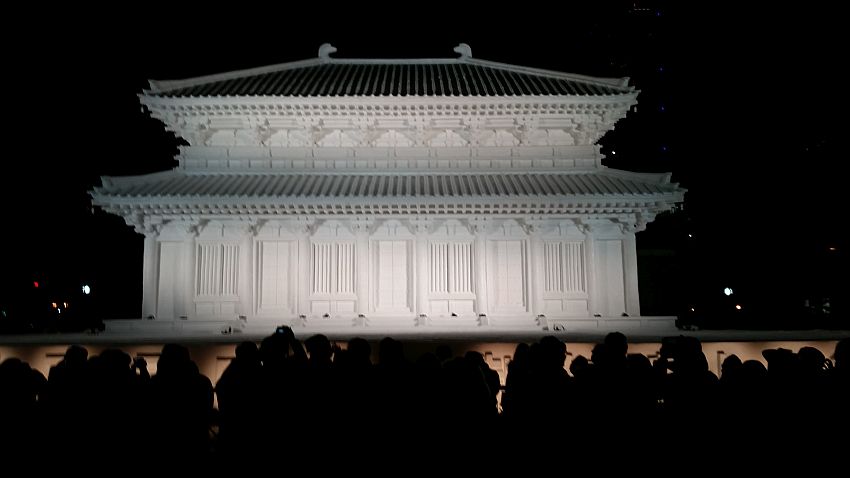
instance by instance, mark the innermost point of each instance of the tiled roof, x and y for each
(405, 185)
(333, 77)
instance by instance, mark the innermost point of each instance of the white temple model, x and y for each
(393, 194)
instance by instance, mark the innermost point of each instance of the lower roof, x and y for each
(338, 186)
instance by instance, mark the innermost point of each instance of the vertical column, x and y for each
(246, 272)
(421, 228)
(303, 230)
(480, 228)
(186, 307)
(361, 265)
(593, 299)
(535, 291)
(150, 274)
(630, 276)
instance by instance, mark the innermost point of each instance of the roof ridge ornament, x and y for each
(464, 50)
(325, 51)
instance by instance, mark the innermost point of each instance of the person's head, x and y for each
(359, 350)
(319, 348)
(730, 365)
(553, 350)
(842, 353)
(248, 351)
(76, 354)
(616, 345)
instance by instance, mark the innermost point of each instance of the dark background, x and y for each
(745, 106)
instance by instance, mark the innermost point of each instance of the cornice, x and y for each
(609, 207)
(357, 105)
(378, 122)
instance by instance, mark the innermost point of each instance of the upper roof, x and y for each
(326, 76)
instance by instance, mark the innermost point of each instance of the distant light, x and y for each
(54, 305)
(693, 310)
(664, 149)
(660, 69)
(690, 235)
(59, 310)
(833, 249)
(65, 304)
(738, 306)
(35, 284)
(613, 152)
(86, 289)
(661, 108)
(727, 291)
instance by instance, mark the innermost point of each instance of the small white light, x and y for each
(86, 289)
(690, 235)
(613, 152)
(727, 291)
(738, 306)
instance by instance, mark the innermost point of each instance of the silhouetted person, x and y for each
(516, 396)
(183, 403)
(239, 392)
(20, 421)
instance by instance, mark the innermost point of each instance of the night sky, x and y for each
(746, 108)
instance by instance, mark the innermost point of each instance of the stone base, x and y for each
(621, 324)
(407, 328)
(516, 323)
(450, 323)
(390, 323)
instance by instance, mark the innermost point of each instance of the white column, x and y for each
(535, 291)
(630, 274)
(479, 227)
(150, 272)
(246, 273)
(186, 307)
(421, 270)
(421, 226)
(361, 271)
(590, 259)
(303, 280)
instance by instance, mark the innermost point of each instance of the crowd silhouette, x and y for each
(285, 395)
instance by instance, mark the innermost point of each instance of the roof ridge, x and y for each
(164, 86)
(324, 58)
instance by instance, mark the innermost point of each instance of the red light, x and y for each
(35, 284)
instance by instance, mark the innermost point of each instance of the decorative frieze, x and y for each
(381, 122)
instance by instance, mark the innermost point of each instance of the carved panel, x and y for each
(392, 275)
(609, 277)
(448, 138)
(509, 276)
(216, 270)
(333, 268)
(564, 267)
(275, 284)
(450, 267)
(338, 138)
(393, 138)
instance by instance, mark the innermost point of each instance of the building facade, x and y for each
(390, 193)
